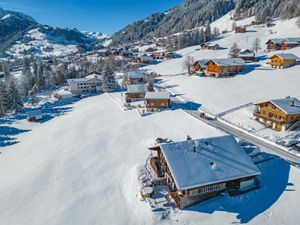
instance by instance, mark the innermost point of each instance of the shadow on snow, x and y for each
(50, 111)
(273, 182)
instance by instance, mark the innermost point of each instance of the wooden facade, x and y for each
(274, 117)
(189, 197)
(282, 44)
(280, 62)
(240, 29)
(157, 103)
(213, 69)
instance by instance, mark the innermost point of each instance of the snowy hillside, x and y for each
(79, 168)
(21, 35)
(47, 41)
(218, 95)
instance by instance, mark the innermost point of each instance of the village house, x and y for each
(196, 170)
(159, 54)
(279, 114)
(34, 116)
(150, 49)
(103, 52)
(200, 66)
(282, 43)
(154, 100)
(209, 46)
(247, 55)
(224, 67)
(79, 86)
(143, 59)
(94, 74)
(135, 92)
(283, 60)
(135, 77)
(240, 29)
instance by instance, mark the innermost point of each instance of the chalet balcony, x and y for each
(272, 119)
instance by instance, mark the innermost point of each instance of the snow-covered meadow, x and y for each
(81, 168)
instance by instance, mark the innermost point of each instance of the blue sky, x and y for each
(107, 16)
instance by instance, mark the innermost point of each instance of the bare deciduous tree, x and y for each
(188, 63)
(256, 44)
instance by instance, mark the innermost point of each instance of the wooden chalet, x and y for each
(209, 46)
(200, 65)
(224, 67)
(103, 52)
(135, 77)
(135, 92)
(240, 29)
(284, 60)
(34, 116)
(279, 114)
(247, 55)
(154, 100)
(150, 49)
(160, 54)
(196, 170)
(144, 59)
(282, 43)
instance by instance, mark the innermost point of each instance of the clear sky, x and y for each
(106, 16)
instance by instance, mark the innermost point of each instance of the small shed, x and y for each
(157, 99)
(34, 115)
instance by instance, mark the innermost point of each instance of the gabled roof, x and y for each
(288, 105)
(137, 88)
(293, 40)
(136, 75)
(202, 62)
(286, 56)
(157, 95)
(228, 62)
(34, 113)
(145, 57)
(246, 53)
(82, 80)
(201, 162)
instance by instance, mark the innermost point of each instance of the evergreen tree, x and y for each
(197, 38)
(14, 101)
(3, 98)
(108, 79)
(202, 36)
(208, 31)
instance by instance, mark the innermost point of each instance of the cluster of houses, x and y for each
(137, 89)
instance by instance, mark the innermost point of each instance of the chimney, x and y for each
(213, 165)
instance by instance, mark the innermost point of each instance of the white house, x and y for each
(85, 85)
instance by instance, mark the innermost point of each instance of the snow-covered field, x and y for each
(80, 164)
(81, 168)
(219, 95)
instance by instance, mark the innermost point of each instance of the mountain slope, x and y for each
(21, 35)
(187, 15)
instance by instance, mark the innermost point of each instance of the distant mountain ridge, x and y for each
(194, 13)
(21, 35)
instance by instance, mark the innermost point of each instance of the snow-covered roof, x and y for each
(146, 58)
(288, 105)
(286, 56)
(81, 80)
(34, 113)
(135, 74)
(229, 62)
(202, 62)
(293, 40)
(157, 95)
(137, 88)
(94, 75)
(246, 53)
(200, 162)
